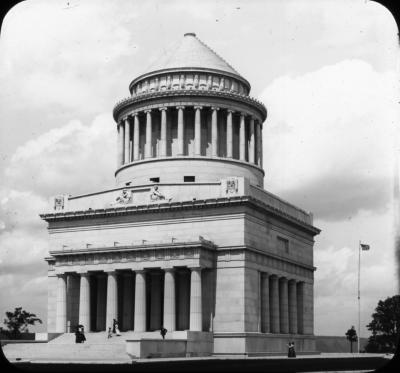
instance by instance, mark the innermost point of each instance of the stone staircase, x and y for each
(96, 348)
(63, 348)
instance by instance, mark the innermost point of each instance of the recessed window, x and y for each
(283, 244)
(155, 179)
(188, 179)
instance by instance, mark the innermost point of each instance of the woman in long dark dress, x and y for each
(78, 336)
(291, 351)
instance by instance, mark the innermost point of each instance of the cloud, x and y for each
(66, 159)
(332, 133)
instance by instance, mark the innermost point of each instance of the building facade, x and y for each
(188, 238)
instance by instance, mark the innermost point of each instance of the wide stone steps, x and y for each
(66, 352)
(96, 347)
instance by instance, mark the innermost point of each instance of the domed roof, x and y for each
(191, 52)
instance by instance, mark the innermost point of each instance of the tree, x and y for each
(351, 336)
(385, 326)
(17, 322)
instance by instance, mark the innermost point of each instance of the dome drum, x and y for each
(192, 79)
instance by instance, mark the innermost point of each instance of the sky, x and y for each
(327, 72)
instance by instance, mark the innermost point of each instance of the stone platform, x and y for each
(124, 348)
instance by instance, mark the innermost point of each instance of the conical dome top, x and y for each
(191, 52)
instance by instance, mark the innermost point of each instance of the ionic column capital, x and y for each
(147, 111)
(163, 108)
(215, 108)
(195, 268)
(242, 114)
(230, 111)
(180, 107)
(135, 114)
(140, 271)
(168, 269)
(198, 107)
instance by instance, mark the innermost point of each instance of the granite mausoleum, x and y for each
(188, 238)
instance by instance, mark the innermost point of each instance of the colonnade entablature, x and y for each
(189, 79)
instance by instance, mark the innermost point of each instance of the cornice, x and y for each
(122, 104)
(184, 205)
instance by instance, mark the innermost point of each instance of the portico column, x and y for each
(265, 326)
(283, 305)
(300, 307)
(101, 303)
(121, 144)
(84, 301)
(112, 300)
(274, 303)
(251, 140)
(214, 131)
(197, 130)
(61, 305)
(140, 301)
(258, 144)
(180, 130)
(242, 140)
(147, 153)
(163, 150)
(292, 307)
(136, 136)
(126, 147)
(196, 319)
(229, 134)
(169, 300)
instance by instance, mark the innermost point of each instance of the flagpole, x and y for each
(359, 261)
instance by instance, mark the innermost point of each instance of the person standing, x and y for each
(109, 332)
(291, 351)
(163, 332)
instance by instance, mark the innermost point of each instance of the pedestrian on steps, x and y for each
(109, 332)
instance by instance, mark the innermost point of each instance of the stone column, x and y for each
(258, 144)
(101, 303)
(229, 134)
(126, 146)
(163, 150)
(196, 319)
(147, 153)
(84, 301)
(122, 140)
(180, 130)
(120, 146)
(112, 299)
(242, 140)
(274, 304)
(136, 134)
(283, 305)
(300, 307)
(127, 302)
(214, 131)
(292, 306)
(140, 301)
(265, 326)
(251, 141)
(61, 305)
(261, 146)
(197, 131)
(155, 301)
(169, 300)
